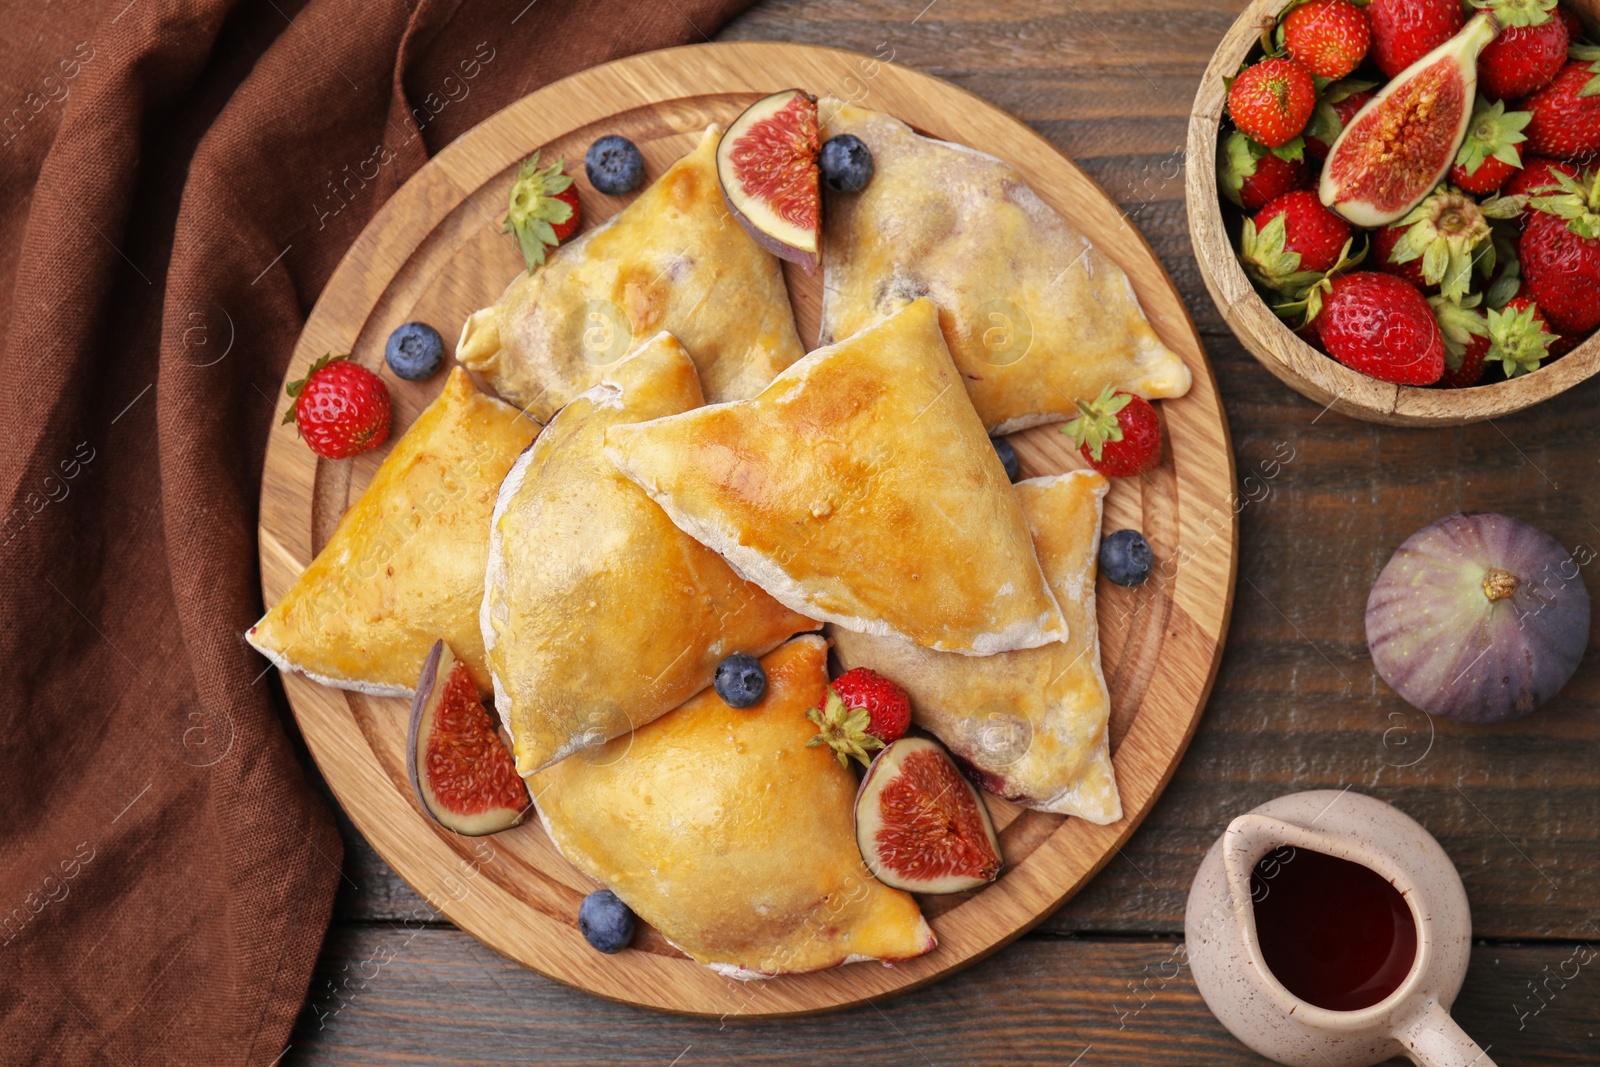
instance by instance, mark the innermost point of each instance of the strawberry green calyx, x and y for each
(1494, 132)
(1097, 424)
(1578, 202)
(1266, 259)
(1308, 301)
(1236, 163)
(298, 386)
(1509, 13)
(844, 730)
(1448, 233)
(534, 211)
(1518, 338)
(1459, 323)
(1584, 52)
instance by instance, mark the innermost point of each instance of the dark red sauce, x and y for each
(1334, 933)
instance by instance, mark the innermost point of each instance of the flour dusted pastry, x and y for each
(1033, 721)
(1035, 316)
(405, 566)
(673, 260)
(727, 833)
(598, 613)
(858, 488)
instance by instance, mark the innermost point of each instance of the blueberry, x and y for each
(614, 165)
(1008, 457)
(846, 163)
(740, 681)
(605, 921)
(415, 351)
(1125, 557)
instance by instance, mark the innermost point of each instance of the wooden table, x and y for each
(1297, 704)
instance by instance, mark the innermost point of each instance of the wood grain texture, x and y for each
(1296, 704)
(1294, 362)
(407, 994)
(435, 253)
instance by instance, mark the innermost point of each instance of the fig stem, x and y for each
(1499, 584)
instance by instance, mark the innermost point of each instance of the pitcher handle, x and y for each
(1433, 1039)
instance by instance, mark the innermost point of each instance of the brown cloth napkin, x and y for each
(178, 178)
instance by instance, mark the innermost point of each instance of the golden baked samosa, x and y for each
(598, 613)
(405, 566)
(730, 835)
(1036, 317)
(673, 260)
(1032, 721)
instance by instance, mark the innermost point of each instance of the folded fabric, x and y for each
(672, 260)
(1036, 317)
(405, 566)
(858, 488)
(598, 613)
(730, 835)
(1033, 722)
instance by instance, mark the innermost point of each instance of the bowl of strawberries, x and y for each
(1396, 203)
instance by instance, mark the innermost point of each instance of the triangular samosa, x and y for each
(1036, 317)
(858, 488)
(1033, 722)
(598, 613)
(405, 566)
(673, 260)
(730, 835)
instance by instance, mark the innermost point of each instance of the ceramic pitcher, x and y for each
(1237, 985)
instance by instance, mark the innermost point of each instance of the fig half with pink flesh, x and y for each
(767, 164)
(921, 825)
(461, 770)
(1396, 148)
(1478, 617)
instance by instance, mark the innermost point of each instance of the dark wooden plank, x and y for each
(386, 995)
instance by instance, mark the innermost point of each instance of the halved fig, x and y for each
(461, 770)
(1395, 149)
(921, 825)
(767, 164)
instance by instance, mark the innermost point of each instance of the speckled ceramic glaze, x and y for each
(1241, 991)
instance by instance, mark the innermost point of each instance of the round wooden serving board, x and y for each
(435, 253)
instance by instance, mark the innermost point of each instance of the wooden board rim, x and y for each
(1027, 893)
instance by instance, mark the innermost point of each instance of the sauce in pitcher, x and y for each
(1334, 933)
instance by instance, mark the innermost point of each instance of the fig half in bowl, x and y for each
(1478, 617)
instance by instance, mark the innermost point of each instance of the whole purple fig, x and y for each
(1478, 617)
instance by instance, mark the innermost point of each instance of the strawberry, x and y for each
(1118, 433)
(1327, 37)
(1249, 175)
(1335, 108)
(1403, 31)
(1489, 153)
(1382, 327)
(1291, 241)
(1384, 241)
(863, 712)
(1466, 340)
(1271, 103)
(1531, 48)
(1560, 253)
(543, 209)
(1565, 123)
(1570, 18)
(340, 408)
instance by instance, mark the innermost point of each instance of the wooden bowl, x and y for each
(1297, 364)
